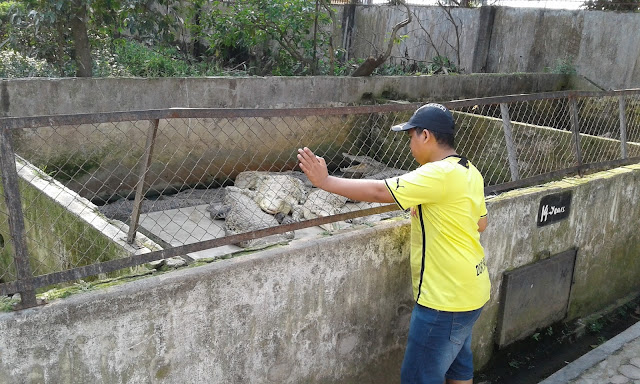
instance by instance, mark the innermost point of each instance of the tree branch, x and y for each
(371, 63)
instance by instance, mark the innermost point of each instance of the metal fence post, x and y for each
(144, 170)
(508, 137)
(575, 127)
(16, 219)
(623, 126)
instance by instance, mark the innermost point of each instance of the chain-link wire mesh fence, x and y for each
(105, 192)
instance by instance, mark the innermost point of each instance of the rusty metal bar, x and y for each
(16, 219)
(555, 175)
(508, 137)
(114, 265)
(623, 126)
(145, 163)
(229, 113)
(185, 113)
(575, 128)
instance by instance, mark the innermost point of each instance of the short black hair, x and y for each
(447, 139)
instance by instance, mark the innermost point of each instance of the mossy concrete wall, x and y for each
(326, 310)
(101, 162)
(308, 312)
(63, 230)
(601, 225)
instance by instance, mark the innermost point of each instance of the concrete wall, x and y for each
(327, 310)
(601, 45)
(34, 97)
(61, 227)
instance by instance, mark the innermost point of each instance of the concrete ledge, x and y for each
(31, 97)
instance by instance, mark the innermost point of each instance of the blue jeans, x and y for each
(439, 346)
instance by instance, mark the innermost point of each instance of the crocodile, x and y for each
(369, 168)
(266, 199)
(244, 215)
(275, 193)
(320, 203)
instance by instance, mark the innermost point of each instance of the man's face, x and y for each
(416, 145)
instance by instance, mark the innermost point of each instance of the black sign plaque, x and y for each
(554, 208)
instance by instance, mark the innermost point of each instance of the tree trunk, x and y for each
(61, 42)
(78, 24)
(199, 49)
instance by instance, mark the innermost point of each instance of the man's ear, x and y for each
(426, 135)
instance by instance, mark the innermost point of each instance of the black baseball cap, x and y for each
(432, 116)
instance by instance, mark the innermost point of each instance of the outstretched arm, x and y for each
(374, 191)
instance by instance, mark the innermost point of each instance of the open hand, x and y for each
(313, 166)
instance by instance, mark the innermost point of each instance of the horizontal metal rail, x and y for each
(555, 175)
(132, 261)
(230, 113)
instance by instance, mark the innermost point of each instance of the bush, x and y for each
(14, 64)
(135, 59)
(610, 5)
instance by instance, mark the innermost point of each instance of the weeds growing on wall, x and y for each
(562, 67)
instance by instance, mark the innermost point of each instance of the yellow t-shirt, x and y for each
(448, 268)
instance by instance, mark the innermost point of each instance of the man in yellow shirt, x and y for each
(448, 270)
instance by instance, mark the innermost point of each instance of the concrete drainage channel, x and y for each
(561, 351)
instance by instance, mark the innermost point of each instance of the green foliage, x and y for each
(563, 67)
(136, 59)
(7, 304)
(13, 64)
(416, 69)
(288, 36)
(403, 69)
(442, 64)
(195, 38)
(595, 326)
(66, 167)
(42, 28)
(105, 59)
(514, 364)
(612, 5)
